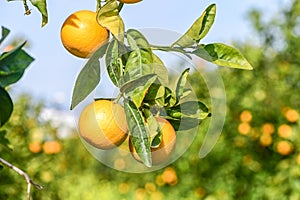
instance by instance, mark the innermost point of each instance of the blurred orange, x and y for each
(244, 128)
(246, 116)
(268, 128)
(52, 147)
(284, 148)
(265, 139)
(284, 131)
(169, 176)
(35, 147)
(292, 115)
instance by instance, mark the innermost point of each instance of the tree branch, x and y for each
(22, 173)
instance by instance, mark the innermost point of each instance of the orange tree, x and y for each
(141, 76)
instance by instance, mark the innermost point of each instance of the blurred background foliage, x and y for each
(256, 157)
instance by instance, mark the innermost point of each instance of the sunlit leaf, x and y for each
(222, 55)
(199, 28)
(41, 5)
(170, 97)
(137, 89)
(161, 70)
(180, 84)
(13, 65)
(108, 17)
(155, 95)
(4, 33)
(6, 106)
(140, 60)
(88, 77)
(114, 62)
(138, 132)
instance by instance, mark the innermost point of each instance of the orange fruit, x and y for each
(81, 34)
(284, 131)
(244, 128)
(268, 128)
(163, 152)
(35, 147)
(292, 115)
(246, 116)
(103, 124)
(284, 148)
(169, 176)
(265, 139)
(129, 1)
(51, 147)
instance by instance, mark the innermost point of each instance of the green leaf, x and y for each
(4, 34)
(161, 70)
(140, 60)
(41, 5)
(180, 84)
(114, 62)
(138, 132)
(222, 55)
(137, 89)
(6, 106)
(13, 65)
(170, 97)
(191, 109)
(4, 141)
(155, 95)
(199, 28)
(88, 77)
(108, 17)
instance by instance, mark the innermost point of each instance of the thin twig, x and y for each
(22, 173)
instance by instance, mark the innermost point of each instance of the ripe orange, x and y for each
(129, 1)
(244, 128)
(284, 131)
(162, 153)
(103, 124)
(246, 116)
(81, 34)
(284, 148)
(51, 147)
(292, 115)
(265, 139)
(35, 147)
(169, 176)
(268, 128)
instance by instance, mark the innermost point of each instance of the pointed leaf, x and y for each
(108, 17)
(114, 62)
(138, 132)
(222, 55)
(140, 60)
(180, 84)
(138, 88)
(199, 28)
(6, 106)
(161, 70)
(13, 65)
(88, 77)
(4, 34)
(41, 5)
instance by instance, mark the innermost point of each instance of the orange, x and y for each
(51, 147)
(265, 139)
(129, 1)
(35, 147)
(163, 152)
(292, 115)
(244, 128)
(103, 124)
(81, 34)
(284, 148)
(169, 176)
(284, 131)
(246, 116)
(268, 128)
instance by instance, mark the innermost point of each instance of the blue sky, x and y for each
(52, 75)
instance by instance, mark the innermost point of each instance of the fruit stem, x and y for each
(120, 6)
(27, 10)
(118, 97)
